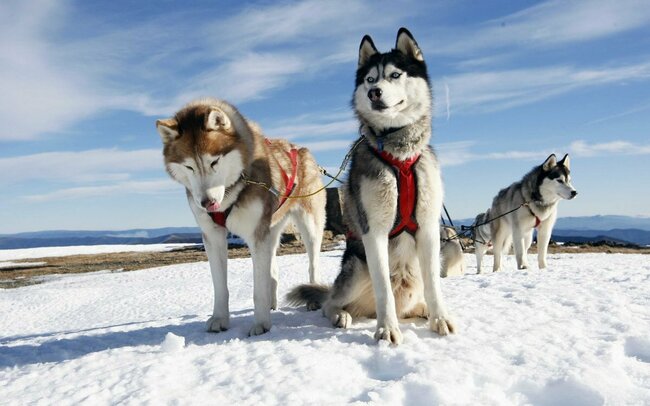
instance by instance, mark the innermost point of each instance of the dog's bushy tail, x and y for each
(308, 294)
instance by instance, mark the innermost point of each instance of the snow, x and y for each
(172, 343)
(18, 265)
(42, 252)
(575, 334)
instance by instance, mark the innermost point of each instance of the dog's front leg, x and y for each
(215, 241)
(428, 249)
(261, 253)
(376, 247)
(543, 238)
(216, 247)
(519, 243)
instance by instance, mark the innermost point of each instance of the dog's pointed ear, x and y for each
(168, 130)
(366, 49)
(549, 163)
(565, 162)
(217, 119)
(406, 44)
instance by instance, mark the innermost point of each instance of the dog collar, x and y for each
(383, 134)
(220, 217)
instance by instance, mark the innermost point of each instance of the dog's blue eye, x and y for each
(190, 168)
(395, 75)
(370, 79)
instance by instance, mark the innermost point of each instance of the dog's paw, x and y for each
(311, 306)
(259, 329)
(217, 324)
(391, 334)
(442, 325)
(542, 265)
(342, 319)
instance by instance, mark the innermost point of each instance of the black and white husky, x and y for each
(537, 194)
(392, 201)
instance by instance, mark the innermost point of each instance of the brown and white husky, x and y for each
(236, 180)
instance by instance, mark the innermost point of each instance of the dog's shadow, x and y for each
(288, 324)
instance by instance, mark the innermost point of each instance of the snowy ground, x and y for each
(576, 334)
(42, 252)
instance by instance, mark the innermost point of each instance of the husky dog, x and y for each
(227, 168)
(482, 237)
(392, 201)
(452, 262)
(537, 195)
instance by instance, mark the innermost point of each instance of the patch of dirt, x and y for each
(24, 274)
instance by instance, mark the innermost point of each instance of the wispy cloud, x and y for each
(551, 23)
(315, 125)
(619, 147)
(461, 153)
(95, 165)
(333, 145)
(499, 90)
(121, 189)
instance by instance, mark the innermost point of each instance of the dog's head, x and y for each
(205, 149)
(556, 179)
(392, 88)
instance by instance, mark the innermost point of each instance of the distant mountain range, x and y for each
(619, 229)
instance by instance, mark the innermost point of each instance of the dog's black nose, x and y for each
(206, 202)
(573, 194)
(374, 94)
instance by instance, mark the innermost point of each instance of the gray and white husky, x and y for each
(392, 201)
(482, 237)
(537, 194)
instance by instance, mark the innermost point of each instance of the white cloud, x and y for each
(333, 145)
(121, 189)
(302, 131)
(460, 153)
(500, 90)
(551, 23)
(618, 147)
(82, 166)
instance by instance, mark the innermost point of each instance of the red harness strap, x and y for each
(220, 217)
(289, 181)
(537, 220)
(406, 193)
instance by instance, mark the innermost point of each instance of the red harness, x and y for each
(220, 217)
(406, 193)
(537, 220)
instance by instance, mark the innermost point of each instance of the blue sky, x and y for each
(82, 83)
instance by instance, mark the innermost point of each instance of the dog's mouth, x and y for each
(213, 207)
(381, 106)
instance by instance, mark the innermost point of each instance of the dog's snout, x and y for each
(573, 193)
(206, 202)
(374, 94)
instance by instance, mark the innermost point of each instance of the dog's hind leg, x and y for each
(351, 293)
(274, 236)
(311, 231)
